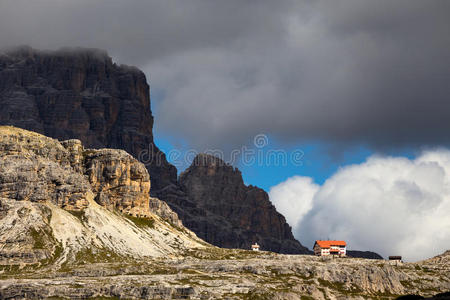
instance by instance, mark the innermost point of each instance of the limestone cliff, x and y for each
(81, 94)
(39, 169)
(239, 215)
(58, 198)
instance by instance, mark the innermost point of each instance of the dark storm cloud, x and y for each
(135, 30)
(348, 71)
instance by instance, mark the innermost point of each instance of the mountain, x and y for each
(60, 202)
(82, 94)
(363, 254)
(242, 214)
(78, 223)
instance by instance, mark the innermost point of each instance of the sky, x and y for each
(391, 205)
(333, 89)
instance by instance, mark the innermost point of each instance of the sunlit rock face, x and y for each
(36, 168)
(58, 199)
(39, 169)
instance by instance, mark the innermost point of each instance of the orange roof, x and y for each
(328, 244)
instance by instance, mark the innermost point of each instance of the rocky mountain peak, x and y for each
(204, 159)
(79, 93)
(219, 189)
(206, 165)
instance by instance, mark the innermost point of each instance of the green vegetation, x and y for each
(38, 238)
(89, 256)
(9, 270)
(406, 283)
(252, 295)
(332, 285)
(214, 253)
(43, 242)
(141, 222)
(24, 211)
(340, 287)
(195, 280)
(163, 271)
(56, 254)
(78, 214)
(95, 255)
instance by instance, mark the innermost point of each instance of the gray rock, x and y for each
(81, 94)
(235, 215)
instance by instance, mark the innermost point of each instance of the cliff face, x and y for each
(243, 213)
(58, 199)
(39, 169)
(82, 94)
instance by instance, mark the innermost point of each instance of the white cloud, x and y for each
(390, 205)
(294, 198)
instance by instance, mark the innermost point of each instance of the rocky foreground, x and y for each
(215, 273)
(79, 223)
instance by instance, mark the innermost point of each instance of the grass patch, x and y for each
(214, 253)
(43, 242)
(195, 280)
(95, 255)
(427, 270)
(251, 295)
(339, 286)
(141, 222)
(55, 255)
(79, 214)
(163, 271)
(407, 284)
(10, 270)
(38, 238)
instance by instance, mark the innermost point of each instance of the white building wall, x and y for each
(326, 251)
